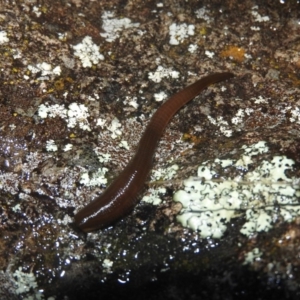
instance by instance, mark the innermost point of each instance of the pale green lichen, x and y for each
(3, 37)
(76, 114)
(97, 178)
(114, 26)
(153, 194)
(45, 69)
(88, 52)
(252, 256)
(179, 32)
(161, 73)
(25, 282)
(51, 146)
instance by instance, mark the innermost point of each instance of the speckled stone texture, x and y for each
(71, 117)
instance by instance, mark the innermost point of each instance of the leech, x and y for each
(122, 195)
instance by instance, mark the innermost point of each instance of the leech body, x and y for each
(121, 196)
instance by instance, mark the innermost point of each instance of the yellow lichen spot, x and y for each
(192, 138)
(44, 9)
(203, 31)
(35, 26)
(69, 79)
(59, 84)
(15, 70)
(296, 62)
(234, 52)
(50, 91)
(295, 79)
(72, 136)
(15, 114)
(186, 136)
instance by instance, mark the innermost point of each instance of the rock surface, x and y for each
(79, 82)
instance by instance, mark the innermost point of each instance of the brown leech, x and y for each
(122, 195)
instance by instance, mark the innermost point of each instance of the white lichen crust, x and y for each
(114, 26)
(88, 52)
(263, 195)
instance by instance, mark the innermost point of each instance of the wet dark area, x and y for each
(215, 284)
